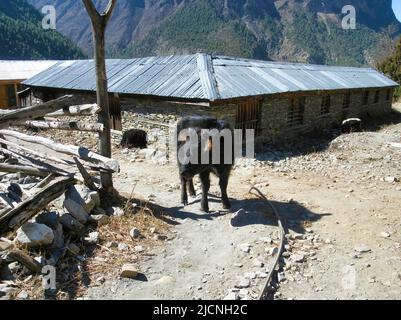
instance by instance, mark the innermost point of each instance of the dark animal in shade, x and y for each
(190, 170)
(134, 139)
(351, 125)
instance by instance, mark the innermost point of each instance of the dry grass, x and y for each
(105, 260)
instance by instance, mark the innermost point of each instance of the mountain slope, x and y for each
(296, 30)
(391, 66)
(22, 37)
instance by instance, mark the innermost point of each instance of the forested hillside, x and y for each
(22, 35)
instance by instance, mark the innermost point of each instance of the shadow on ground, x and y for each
(295, 217)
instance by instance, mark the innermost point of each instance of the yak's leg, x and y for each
(205, 180)
(191, 188)
(223, 186)
(184, 194)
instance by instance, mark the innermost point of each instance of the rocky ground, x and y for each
(338, 196)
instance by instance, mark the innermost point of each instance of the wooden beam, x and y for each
(67, 126)
(86, 176)
(24, 259)
(33, 152)
(83, 153)
(21, 115)
(37, 172)
(27, 209)
(82, 110)
(99, 24)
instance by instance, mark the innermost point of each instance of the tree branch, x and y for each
(92, 11)
(109, 9)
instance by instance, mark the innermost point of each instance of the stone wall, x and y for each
(275, 112)
(274, 117)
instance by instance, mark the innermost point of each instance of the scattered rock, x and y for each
(115, 211)
(362, 248)
(135, 233)
(129, 271)
(232, 296)
(165, 280)
(147, 154)
(245, 247)
(123, 247)
(299, 257)
(139, 249)
(48, 218)
(100, 219)
(93, 238)
(297, 236)
(257, 263)
(243, 283)
(58, 232)
(84, 197)
(266, 240)
(70, 223)
(76, 209)
(33, 234)
(23, 295)
(6, 244)
(101, 280)
(272, 251)
(391, 179)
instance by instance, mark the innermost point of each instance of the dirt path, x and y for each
(207, 256)
(346, 226)
(340, 206)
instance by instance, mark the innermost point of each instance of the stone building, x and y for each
(277, 99)
(12, 73)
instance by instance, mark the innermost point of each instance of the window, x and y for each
(388, 95)
(326, 103)
(249, 116)
(296, 112)
(377, 96)
(365, 99)
(347, 101)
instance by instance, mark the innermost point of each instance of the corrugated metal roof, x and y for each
(206, 77)
(22, 70)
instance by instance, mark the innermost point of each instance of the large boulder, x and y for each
(70, 223)
(33, 234)
(48, 218)
(80, 202)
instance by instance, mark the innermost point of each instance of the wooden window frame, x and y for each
(249, 115)
(377, 96)
(347, 101)
(296, 112)
(388, 94)
(325, 108)
(365, 98)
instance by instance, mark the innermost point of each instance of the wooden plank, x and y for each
(81, 110)
(83, 153)
(9, 118)
(37, 172)
(24, 259)
(67, 126)
(36, 203)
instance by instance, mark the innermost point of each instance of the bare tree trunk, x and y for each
(99, 24)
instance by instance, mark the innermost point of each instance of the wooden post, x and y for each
(99, 24)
